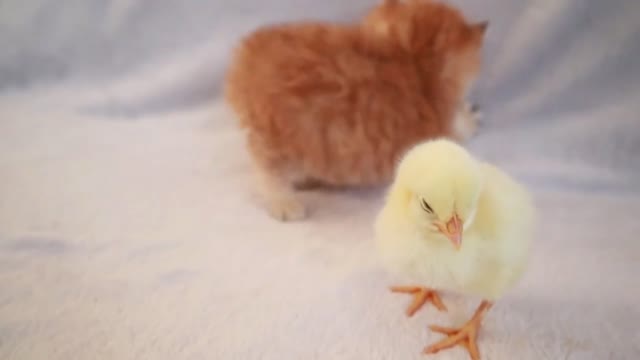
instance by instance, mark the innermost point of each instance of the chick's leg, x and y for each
(465, 336)
(420, 296)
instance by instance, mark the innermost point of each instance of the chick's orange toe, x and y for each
(420, 297)
(465, 336)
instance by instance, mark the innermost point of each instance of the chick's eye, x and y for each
(425, 206)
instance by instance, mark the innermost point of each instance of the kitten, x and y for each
(339, 104)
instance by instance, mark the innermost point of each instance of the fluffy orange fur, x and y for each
(339, 104)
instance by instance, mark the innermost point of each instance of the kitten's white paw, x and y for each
(466, 121)
(286, 209)
(278, 196)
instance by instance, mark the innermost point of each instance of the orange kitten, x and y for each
(339, 104)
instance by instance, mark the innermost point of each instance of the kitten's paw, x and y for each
(474, 108)
(475, 112)
(466, 121)
(286, 209)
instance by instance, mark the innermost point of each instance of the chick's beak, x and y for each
(453, 230)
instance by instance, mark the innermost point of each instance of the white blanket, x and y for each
(127, 230)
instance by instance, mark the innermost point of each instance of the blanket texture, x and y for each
(127, 230)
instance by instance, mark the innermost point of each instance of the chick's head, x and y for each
(437, 187)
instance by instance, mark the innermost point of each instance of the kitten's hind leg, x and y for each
(278, 196)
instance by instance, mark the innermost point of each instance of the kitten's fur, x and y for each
(339, 104)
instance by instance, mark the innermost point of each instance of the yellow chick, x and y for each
(453, 223)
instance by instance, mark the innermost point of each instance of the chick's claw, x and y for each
(465, 336)
(420, 296)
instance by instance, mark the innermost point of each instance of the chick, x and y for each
(453, 223)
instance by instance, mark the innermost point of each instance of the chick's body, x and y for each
(453, 223)
(495, 246)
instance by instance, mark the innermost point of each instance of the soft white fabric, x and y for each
(127, 230)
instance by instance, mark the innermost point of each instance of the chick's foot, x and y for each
(465, 336)
(420, 296)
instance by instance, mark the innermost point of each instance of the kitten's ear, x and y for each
(481, 27)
